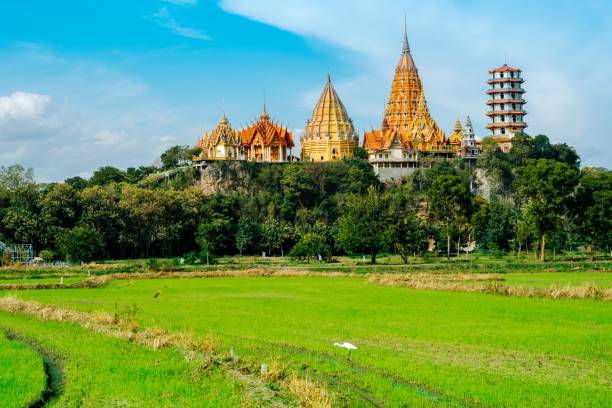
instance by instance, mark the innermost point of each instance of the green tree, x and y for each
(546, 185)
(501, 225)
(409, 236)
(247, 236)
(80, 244)
(360, 153)
(208, 236)
(365, 223)
(177, 156)
(106, 175)
(592, 209)
(77, 183)
(59, 209)
(100, 210)
(449, 205)
(275, 235)
(15, 177)
(311, 246)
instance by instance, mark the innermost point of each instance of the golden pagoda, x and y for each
(457, 136)
(266, 140)
(407, 119)
(223, 143)
(329, 134)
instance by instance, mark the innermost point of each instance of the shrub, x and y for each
(310, 246)
(80, 244)
(47, 255)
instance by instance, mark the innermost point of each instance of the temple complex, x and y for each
(223, 143)
(266, 141)
(408, 132)
(329, 134)
(407, 135)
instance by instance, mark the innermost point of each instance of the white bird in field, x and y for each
(350, 347)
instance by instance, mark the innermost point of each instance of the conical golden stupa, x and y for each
(329, 134)
(456, 137)
(407, 117)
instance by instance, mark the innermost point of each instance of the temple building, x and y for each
(329, 134)
(469, 144)
(506, 112)
(223, 143)
(266, 141)
(408, 132)
(455, 138)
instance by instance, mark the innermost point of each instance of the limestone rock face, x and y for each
(225, 178)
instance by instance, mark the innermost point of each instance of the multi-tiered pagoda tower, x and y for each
(329, 133)
(507, 115)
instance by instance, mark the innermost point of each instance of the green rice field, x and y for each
(415, 347)
(22, 373)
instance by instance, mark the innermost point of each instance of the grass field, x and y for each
(104, 371)
(22, 373)
(416, 348)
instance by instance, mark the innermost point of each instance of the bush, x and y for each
(310, 246)
(80, 244)
(47, 255)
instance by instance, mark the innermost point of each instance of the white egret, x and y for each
(350, 347)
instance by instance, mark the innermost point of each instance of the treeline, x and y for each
(534, 198)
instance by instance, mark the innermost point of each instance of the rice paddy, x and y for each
(22, 373)
(415, 347)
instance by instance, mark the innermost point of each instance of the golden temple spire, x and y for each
(406, 46)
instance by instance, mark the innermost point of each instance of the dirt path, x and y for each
(52, 366)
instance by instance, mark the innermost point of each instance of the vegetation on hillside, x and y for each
(535, 198)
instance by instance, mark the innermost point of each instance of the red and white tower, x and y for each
(506, 112)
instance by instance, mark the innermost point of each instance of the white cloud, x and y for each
(22, 105)
(165, 19)
(109, 137)
(97, 117)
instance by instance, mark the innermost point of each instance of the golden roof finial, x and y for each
(406, 47)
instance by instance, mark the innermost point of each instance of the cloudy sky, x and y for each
(86, 83)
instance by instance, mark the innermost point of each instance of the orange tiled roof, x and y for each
(268, 131)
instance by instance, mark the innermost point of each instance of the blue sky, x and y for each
(87, 83)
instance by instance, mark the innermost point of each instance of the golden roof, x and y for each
(455, 138)
(424, 131)
(407, 117)
(329, 118)
(223, 133)
(267, 131)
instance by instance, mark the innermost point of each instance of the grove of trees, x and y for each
(533, 199)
